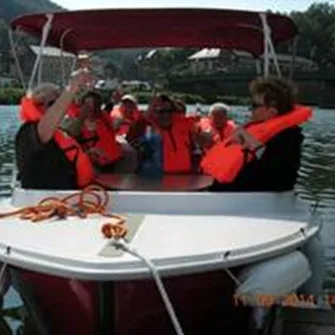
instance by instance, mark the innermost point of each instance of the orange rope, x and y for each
(91, 200)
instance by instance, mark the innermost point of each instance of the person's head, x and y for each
(271, 96)
(92, 101)
(164, 111)
(180, 107)
(84, 60)
(129, 103)
(218, 113)
(45, 95)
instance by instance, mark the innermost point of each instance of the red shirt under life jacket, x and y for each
(30, 112)
(225, 160)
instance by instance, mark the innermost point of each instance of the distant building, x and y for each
(52, 63)
(221, 60)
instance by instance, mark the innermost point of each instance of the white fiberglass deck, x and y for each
(178, 242)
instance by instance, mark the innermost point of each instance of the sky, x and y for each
(275, 5)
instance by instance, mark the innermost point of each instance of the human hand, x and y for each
(81, 78)
(203, 140)
(242, 137)
(96, 153)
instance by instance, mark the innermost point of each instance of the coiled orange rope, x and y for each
(91, 200)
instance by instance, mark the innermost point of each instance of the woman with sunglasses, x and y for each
(277, 161)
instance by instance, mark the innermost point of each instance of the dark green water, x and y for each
(316, 181)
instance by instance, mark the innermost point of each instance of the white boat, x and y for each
(196, 241)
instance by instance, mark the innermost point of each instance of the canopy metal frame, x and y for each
(268, 54)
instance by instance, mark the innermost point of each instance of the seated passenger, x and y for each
(94, 130)
(46, 157)
(272, 154)
(125, 114)
(175, 136)
(217, 125)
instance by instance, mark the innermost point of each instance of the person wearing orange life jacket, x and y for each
(176, 136)
(125, 114)
(94, 130)
(47, 157)
(218, 124)
(264, 155)
(215, 128)
(97, 135)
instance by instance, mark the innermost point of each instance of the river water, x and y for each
(316, 183)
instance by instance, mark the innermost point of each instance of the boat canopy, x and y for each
(130, 28)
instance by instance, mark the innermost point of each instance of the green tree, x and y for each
(317, 33)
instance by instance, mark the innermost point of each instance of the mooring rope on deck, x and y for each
(91, 200)
(78, 204)
(122, 244)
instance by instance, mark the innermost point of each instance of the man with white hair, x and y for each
(217, 127)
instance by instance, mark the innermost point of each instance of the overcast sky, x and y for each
(275, 5)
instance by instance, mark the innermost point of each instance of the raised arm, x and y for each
(59, 104)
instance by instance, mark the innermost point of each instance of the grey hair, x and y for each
(41, 91)
(219, 106)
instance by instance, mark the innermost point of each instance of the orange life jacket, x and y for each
(72, 150)
(30, 112)
(118, 113)
(103, 138)
(176, 148)
(218, 135)
(225, 160)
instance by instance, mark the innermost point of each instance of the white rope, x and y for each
(16, 59)
(2, 271)
(121, 244)
(233, 277)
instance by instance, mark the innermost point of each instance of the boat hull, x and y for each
(204, 303)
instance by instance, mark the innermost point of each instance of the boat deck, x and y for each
(302, 321)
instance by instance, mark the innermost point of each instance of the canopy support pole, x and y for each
(38, 61)
(16, 59)
(269, 50)
(258, 67)
(62, 55)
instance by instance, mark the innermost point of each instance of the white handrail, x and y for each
(269, 49)
(17, 62)
(37, 65)
(62, 55)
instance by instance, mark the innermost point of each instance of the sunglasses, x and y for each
(256, 105)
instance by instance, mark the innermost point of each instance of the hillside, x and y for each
(9, 9)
